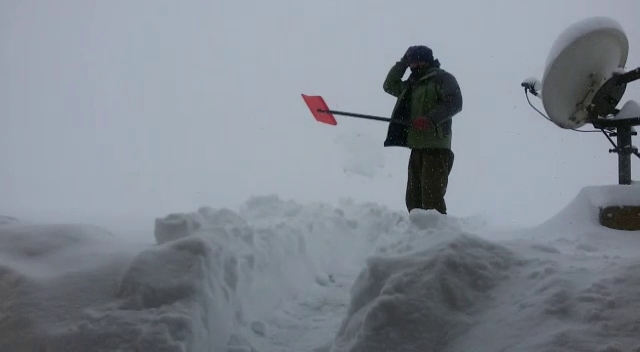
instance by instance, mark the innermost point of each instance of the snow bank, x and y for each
(47, 274)
(580, 287)
(202, 288)
(417, 293)
(209, 284)
(562, 302)
(275, 276)
(566, 285)
(581, 215)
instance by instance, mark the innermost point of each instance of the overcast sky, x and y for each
(134, 109)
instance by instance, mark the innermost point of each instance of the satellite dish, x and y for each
(584, 81)
(581, 60)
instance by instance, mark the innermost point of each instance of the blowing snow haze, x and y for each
(126, 109)
(163, 186)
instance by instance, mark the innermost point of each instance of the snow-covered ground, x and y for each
(276, 275)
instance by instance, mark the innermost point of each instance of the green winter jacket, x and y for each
(436, 95)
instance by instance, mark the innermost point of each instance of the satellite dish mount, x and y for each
(584, 81)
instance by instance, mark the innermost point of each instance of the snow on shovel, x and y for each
(322, 113)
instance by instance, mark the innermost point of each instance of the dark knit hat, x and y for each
(420, 53)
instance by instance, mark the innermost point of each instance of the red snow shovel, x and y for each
(321, 112)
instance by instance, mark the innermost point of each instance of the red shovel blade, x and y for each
(315, 103)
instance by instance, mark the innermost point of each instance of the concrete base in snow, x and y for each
(625, 218)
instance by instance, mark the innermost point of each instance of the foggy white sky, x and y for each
(134, 109)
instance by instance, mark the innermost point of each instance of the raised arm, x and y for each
(393, 83)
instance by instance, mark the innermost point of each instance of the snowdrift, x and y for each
(419, 297)
(581, 215)
(420, 288)
(46, 274)
(207, 285)
(280, 276)
(566, 285)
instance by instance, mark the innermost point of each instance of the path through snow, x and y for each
(310, 320)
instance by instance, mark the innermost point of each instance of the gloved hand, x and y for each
(405, 58)
(422, 123)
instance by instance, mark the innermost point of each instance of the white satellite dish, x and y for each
(581, 60)
(584, 81)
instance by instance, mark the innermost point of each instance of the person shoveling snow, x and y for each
(429, 98)
(421, 121)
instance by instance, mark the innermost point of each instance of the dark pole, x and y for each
(624, 149)
(363, 116)
(624, 134)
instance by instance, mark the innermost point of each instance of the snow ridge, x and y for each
(278, 276)
(421, 288)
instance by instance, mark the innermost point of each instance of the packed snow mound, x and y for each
(579, 289)
(47, 273)
(581, 216)
(555, 305)
(274, 273)
(419, 296)
(178, 296)
(569, 284)
(210, 283)
(71, 289)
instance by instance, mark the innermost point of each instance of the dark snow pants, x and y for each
(428, 178)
